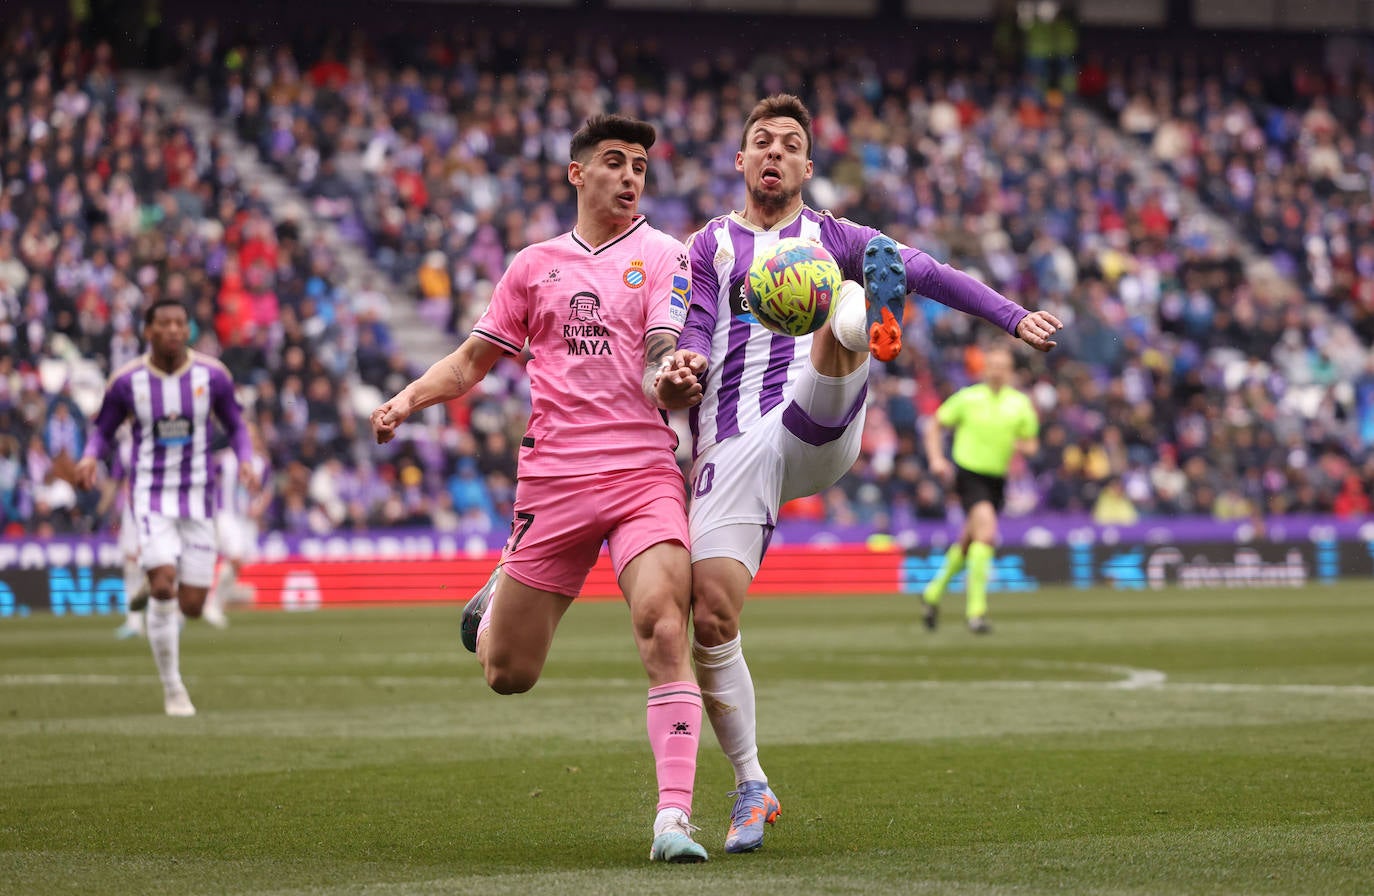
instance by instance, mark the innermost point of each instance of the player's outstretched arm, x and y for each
(445, 380)
(677, 381)
(959, 290)
(1037, 330)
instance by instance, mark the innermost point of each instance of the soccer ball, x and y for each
(791, 286)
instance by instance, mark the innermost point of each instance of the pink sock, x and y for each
(674, 720)
(485, 622)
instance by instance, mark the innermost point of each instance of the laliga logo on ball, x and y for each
(791, 286)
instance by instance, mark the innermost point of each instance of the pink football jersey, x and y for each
(586, 312)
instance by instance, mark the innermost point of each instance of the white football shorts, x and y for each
(187, 544)
(738, 485)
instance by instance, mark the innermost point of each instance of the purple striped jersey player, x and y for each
(778, 417)
(171, 396)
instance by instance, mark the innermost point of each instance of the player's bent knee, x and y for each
(506, 681)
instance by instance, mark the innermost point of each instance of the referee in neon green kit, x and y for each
(991, 420)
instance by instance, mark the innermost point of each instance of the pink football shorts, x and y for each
(561, 522)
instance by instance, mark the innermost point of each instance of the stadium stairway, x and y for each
(419, 342)
(1262, 274)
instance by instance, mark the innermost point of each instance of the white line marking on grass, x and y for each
(1221, 687)
(64, 679)
(1141, 678)
(1130, 678)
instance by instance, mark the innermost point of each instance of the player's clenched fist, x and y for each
(389, 416)
(677, 384)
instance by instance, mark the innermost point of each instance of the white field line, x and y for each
(1125, 678)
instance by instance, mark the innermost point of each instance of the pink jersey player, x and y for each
(600, 309)
(586, 313)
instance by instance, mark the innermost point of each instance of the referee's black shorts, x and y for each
(974, 487)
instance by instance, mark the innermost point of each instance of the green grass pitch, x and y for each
(1099, 742)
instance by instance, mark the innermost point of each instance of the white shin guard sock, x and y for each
(727, 690)
(164, 637)
(134, 580)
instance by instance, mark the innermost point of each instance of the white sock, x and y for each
(668, 819)
(164, 637)
(134, 579)
(228, 578)
(214, 599)
(727, 690)
(849, 320)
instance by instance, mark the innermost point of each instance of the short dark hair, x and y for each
(779, 105)
(610, 127)
(150, 312)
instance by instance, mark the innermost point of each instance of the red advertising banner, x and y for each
(297, 584)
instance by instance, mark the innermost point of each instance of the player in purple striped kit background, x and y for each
(782, 417)
(171, 395)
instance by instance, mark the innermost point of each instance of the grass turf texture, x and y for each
(1098, 743)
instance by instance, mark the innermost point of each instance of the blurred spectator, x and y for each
(1113, 506)
(1353, 499)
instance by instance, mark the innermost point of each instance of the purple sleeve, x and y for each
(846, 241)
(924, 275)
(952, 287)
(226, 408)
(114, 410)
(701, 315)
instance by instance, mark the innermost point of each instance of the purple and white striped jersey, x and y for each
(752, 369)
(172, 473)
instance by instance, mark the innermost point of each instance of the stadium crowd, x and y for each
(1180, 386)
(109, 201)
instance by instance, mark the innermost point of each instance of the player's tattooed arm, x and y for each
(445, 380)
(460, 380)
(658, 351)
